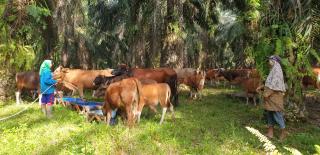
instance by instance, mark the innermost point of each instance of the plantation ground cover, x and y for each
(214, 125)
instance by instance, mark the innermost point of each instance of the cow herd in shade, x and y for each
(130, 89)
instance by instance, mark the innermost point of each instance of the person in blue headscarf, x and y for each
(47, 87)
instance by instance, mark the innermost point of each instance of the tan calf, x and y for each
(154, 94)
(77, 79)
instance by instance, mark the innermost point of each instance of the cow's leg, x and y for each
(107, 111)
(139, 110)
(93, 92)
(217, 83)
(247, 100)
(195, 95)
(81, 92)
(129, 115)
(33, 93)
(254, 100)
(18, 93)
(138, 115)
(108, 117)
(164, 110)
(199, 95)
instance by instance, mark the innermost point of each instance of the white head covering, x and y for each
(275, 78)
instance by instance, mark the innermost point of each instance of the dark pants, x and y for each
(275, 117)
(47, 99)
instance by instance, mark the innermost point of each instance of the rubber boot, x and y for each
(43, 108)
(270, 132)
(283, 134)
(49, 111)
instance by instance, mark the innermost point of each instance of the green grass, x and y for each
(214, 125)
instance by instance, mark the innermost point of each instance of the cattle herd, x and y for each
(130, 89)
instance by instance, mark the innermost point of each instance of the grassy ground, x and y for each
(214, 125)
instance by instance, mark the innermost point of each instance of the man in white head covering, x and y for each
(273, 94)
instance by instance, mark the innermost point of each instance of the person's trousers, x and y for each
(275, 117)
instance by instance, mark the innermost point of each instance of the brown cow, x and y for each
(193, 79)
(183, 73)
(27, 81)
(231, 74)
(250, 86)
(154, 94)
(313, 80)
(102, 82)
(125, 94)
(161, 75)
(248, 79)
(77, 79)
(213, 76)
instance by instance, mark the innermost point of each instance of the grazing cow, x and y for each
(27, 81)
(250, 86)
(248, 79)
(234, 73)
(313, 80)
(213, 75)
(161, 75)
(192, 78)
(126, 95)
(184, 73)
(101, 82)
(154, 94)
(77, 79)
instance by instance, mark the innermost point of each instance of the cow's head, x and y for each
(98, 80)
(59, 73)
(100, 92)
(122, 69)
(103, 81)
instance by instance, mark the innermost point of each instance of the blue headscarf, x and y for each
(45, 66)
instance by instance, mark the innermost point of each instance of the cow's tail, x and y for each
(139, 96)
(174, 89)
(168, 96)
(169, 105)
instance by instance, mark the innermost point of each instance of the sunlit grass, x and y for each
(214, 125)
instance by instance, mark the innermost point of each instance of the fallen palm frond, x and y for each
(268, 146)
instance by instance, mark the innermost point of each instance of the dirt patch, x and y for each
(313, 107)
(312, 100)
